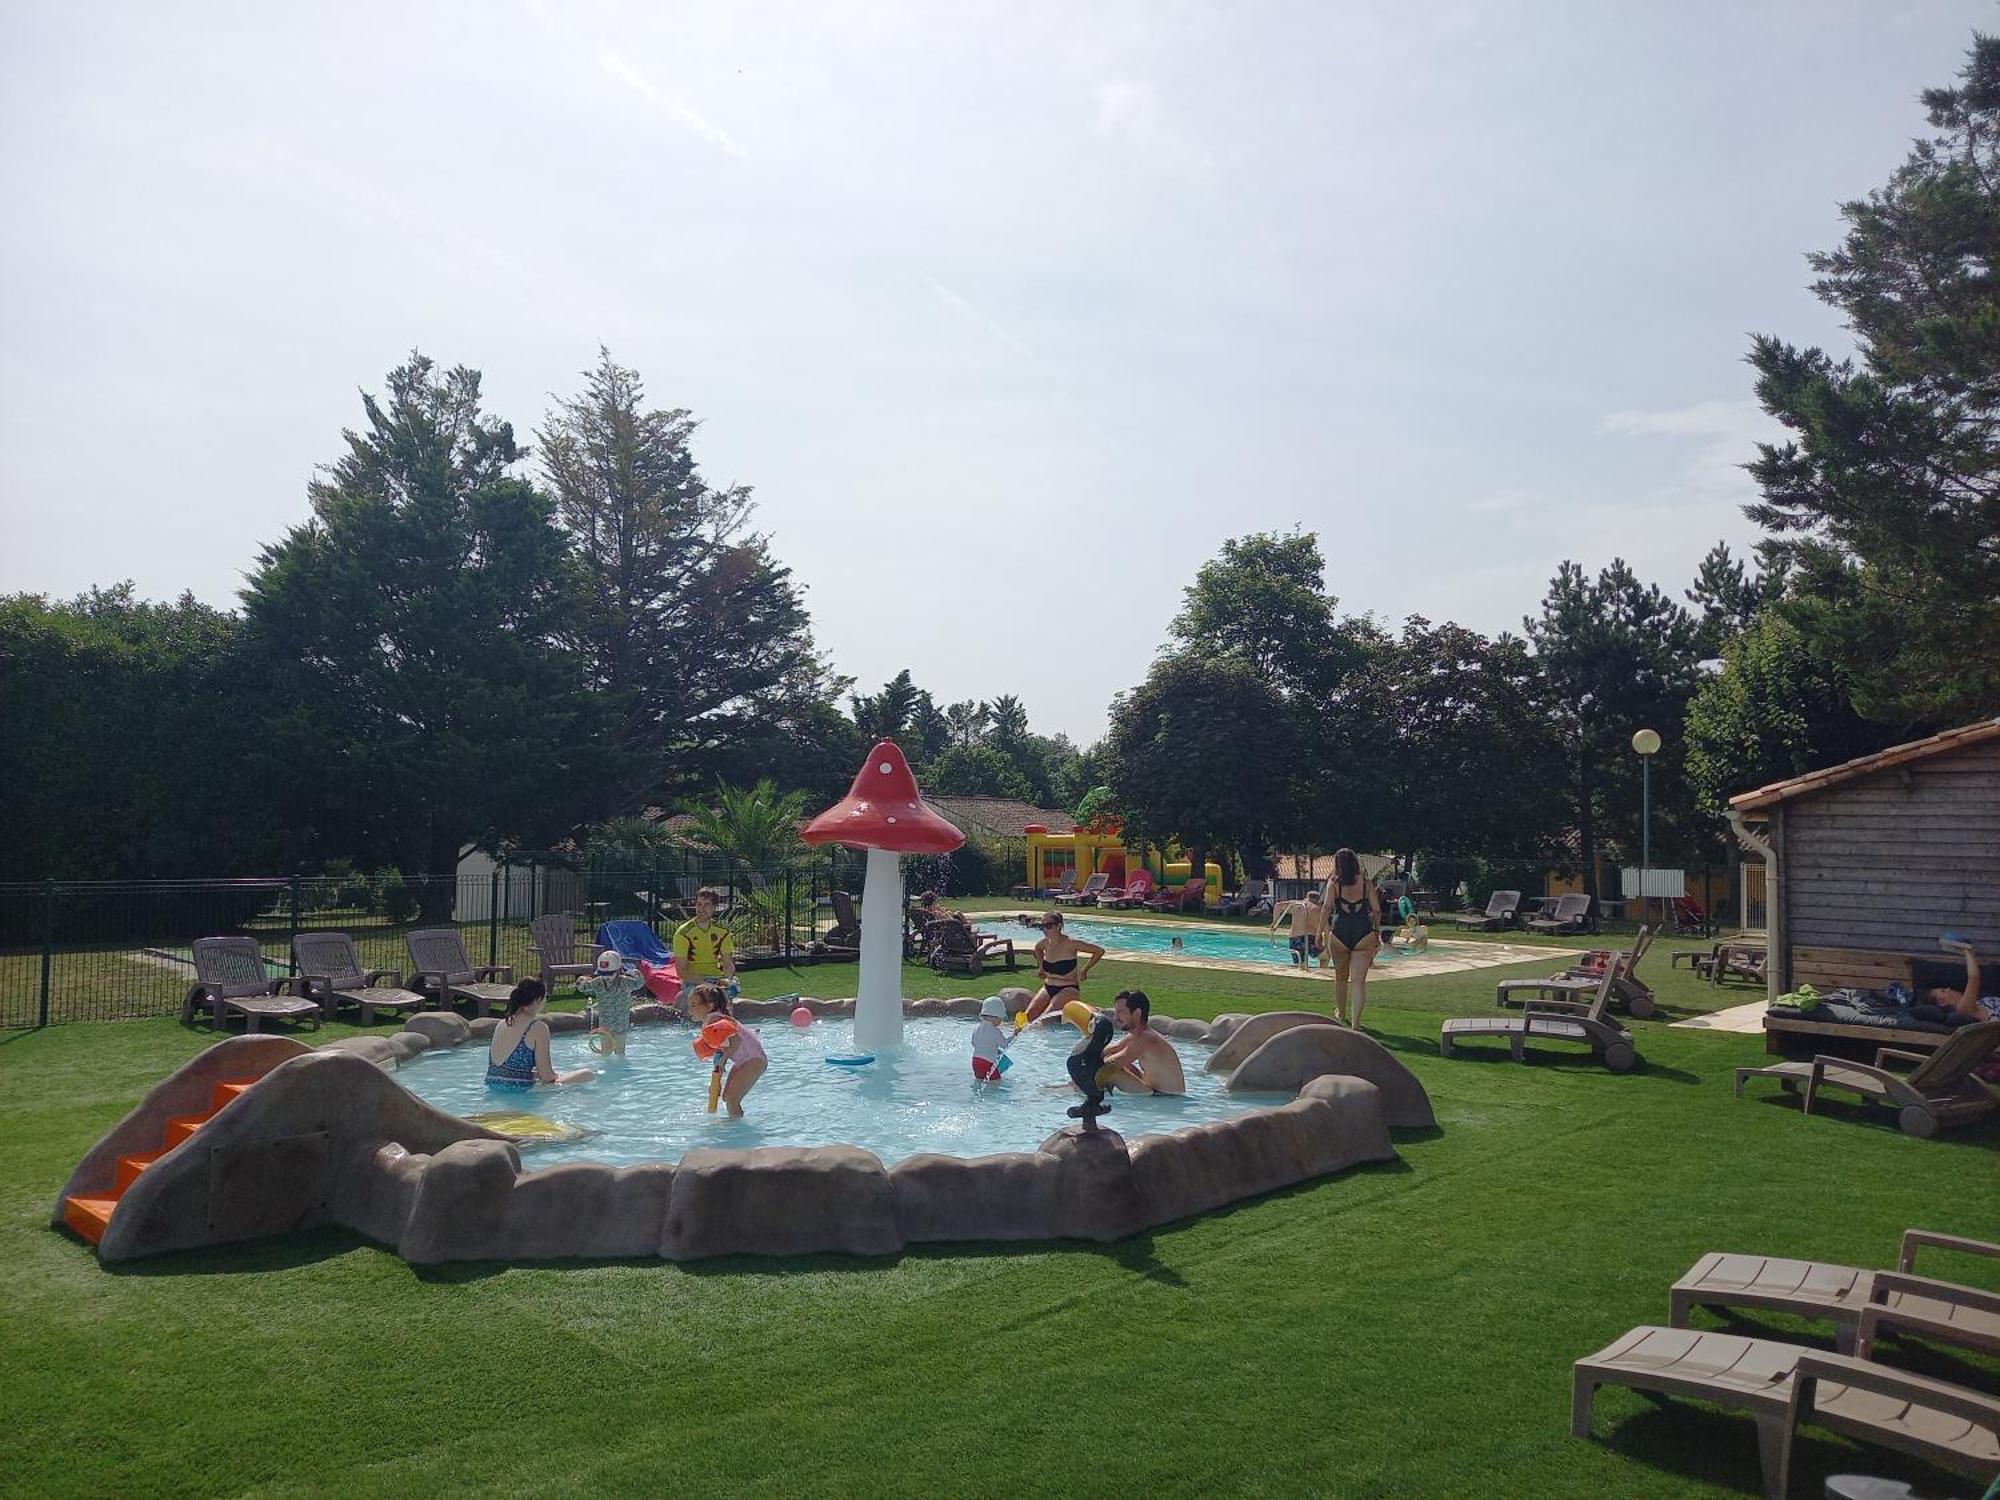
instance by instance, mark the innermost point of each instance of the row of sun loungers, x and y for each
(231, 977)
(1570, 914)
(1783, 1385)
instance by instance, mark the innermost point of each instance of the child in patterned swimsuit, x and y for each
(611, 990)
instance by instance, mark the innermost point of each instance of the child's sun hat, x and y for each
(993, 1008)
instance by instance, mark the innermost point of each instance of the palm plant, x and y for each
(757, 827)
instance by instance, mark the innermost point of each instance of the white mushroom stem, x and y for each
(878, 998)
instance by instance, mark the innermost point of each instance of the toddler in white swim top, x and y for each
(610, 989)
(989, 1040)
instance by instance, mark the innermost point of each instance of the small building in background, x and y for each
(1870, 862)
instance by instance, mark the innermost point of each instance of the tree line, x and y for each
(470, 641)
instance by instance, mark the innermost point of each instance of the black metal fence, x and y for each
(121, 950)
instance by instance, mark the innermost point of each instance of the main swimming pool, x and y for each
(1256, 946)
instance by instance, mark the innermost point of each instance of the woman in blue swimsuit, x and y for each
(1354, 934)
(518, 1056)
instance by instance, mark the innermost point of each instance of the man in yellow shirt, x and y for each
(703, 953)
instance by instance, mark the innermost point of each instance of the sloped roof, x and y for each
(1867, 765)
(1000, 817)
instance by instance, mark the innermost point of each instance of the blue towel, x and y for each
(633, 940)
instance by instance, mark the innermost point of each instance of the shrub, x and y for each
(393, 896)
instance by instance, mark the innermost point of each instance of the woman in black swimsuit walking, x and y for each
(1057, 957)
(1355, 933)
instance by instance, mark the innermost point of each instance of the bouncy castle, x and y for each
(1100, 849)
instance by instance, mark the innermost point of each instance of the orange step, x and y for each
(89, 1217)
(129, 1168)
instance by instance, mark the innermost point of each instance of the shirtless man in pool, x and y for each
(1144, 1061)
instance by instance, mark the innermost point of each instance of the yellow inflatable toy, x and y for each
(530, 1130)
(1079, 1015)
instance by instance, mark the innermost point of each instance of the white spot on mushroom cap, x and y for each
(892, 817)
(885, 768)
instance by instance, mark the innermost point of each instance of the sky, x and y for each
(1010, 313)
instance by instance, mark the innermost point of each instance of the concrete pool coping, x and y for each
(328, 1136)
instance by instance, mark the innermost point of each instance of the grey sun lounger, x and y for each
(552, 936)
(1541, 1021)
(1087, 895)
(1576, 985)
(443, 972)
(1782, 1385)
(1501, 909)
(1862, 1304)
(1939, 1092)
(230, 979)
(330, 972)
(1572, 914)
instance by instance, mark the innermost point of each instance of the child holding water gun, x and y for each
(734, 1046)
(989, 1040)
(610, 990)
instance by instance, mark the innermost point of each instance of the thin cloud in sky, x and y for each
(965, 309)
(674, 109)
(1729, 432)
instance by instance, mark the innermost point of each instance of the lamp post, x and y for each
(1647, 744)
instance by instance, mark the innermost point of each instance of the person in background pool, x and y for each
(1063, 963)
(1354, 934)
(744, 1051)
(1177, 947)
(518, 1055)
(1143, 1061)
(1308, 928)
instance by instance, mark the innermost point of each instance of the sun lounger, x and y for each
(1939, 1092)
(1572, 914)
(1500, 911)
(1190, 894)
(230, 979)
(1088, 894)
(329, 973)
(1782, 1385)
(1062, 887)
(445, 974)
(1540, 1022)
(956, 947)
(845, 934)
(1240, 904)
(1861, 1304)
(553, 938)
(1574, 986)
(1137, 891)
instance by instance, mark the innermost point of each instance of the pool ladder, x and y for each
(91, 1216)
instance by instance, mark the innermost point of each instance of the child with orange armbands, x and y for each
(733, 1044)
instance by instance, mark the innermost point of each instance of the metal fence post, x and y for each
(493, 916)
(293, 936)
(48, 950)
(788, 916)
(653, 905)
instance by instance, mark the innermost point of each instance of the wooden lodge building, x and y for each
(1867, 864)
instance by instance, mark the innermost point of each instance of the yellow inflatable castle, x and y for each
(1100, 849)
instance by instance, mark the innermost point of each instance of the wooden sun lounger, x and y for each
(330, 972)
(1571, 986)
(230, 979)
(552, 936)
(1941, 1091)
(443, 971)
(1501, 909)
(1781, 1385)
(1552, 1022)
(1862, 1304)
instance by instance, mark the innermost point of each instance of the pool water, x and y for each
(1255, 946)
(653, 1105)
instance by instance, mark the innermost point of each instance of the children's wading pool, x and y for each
(653, 1104)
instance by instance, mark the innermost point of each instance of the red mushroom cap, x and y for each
(883, 810)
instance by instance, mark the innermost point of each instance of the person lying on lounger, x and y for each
(1968, 1001)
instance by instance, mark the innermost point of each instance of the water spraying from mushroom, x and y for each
(884, 814)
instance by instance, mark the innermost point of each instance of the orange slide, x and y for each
(90, 1217)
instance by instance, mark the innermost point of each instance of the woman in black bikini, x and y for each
(1354, 934)
(1057, 957)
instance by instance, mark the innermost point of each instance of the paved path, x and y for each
(1744, 1018)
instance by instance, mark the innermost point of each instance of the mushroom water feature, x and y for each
(884, 814)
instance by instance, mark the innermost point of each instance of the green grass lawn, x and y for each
(1401, 1330)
